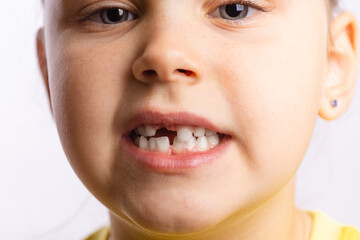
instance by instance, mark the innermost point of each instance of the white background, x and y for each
(40, 196)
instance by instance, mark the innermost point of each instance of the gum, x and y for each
(173, 127)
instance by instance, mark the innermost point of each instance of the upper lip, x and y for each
(170, 118)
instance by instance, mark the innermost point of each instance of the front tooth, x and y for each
(179, 145)
(199, 132)
(143, 143)
(213, 140)
(149, 131)
(152, 144)
(202, 143)
(140, 130)
(163, 144)
(137, 141)
(184, 134)
(191, 143)
(209, 133)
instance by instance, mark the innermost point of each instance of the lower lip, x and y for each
(166, 162)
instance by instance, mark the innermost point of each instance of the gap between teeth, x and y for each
(188, 139)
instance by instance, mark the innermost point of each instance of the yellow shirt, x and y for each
(326, 228)
(323, 229)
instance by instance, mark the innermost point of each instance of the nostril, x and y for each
(149, 72)
(186, 72)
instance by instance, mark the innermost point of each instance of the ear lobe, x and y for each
(41, 54)
(343, 57)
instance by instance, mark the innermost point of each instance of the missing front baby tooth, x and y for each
(161, 132)
(177, 142)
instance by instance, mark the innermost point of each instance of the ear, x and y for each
(343, 53)
(41, 54)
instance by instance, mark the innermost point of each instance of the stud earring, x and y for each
(334, 103)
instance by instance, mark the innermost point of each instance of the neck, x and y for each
(277, 219)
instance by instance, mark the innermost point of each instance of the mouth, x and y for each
(173, 141)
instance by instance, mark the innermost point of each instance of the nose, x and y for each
(166, 57)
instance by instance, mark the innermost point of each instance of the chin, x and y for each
(180, 218)
(176, 224)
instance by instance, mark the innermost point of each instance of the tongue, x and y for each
(163, 132)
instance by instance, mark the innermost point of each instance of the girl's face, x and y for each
(254, 72)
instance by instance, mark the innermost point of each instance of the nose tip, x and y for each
(166, 63)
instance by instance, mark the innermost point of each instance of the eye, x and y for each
(112, 16)
(233, 11)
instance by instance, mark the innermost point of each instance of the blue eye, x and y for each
(112, 16)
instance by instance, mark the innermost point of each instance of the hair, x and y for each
(333, 3)
(332, 6)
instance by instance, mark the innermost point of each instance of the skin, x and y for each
(269, 76)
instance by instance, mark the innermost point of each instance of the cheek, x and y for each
(88, 84)
(275, 95)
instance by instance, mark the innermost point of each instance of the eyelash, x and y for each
(107, 8)
(253, 4)
(249, 3)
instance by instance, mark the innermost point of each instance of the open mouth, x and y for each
(175, 139)
(169, 142)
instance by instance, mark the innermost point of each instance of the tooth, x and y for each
(143, 143)
(137, 141)
(184, 134)
(202, 143)
(209, 133)
(163, 144)
(149, 131)
(152, 144)
(191, 143)
(178, 144)
(199, 132)
(213, 140)
(140, 130)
